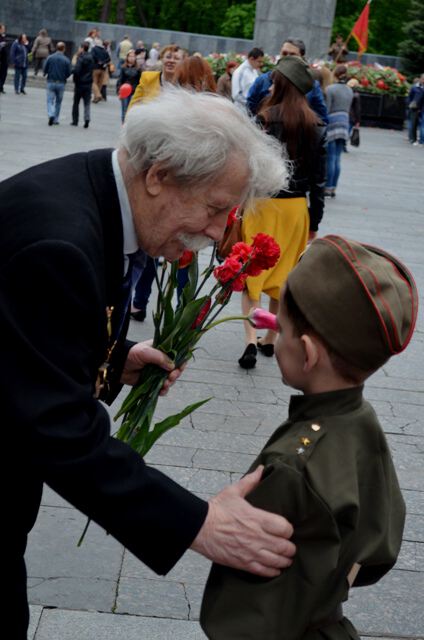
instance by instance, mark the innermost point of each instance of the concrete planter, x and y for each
(385, 111)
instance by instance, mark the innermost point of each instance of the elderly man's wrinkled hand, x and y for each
(143, 353)
(238, 535)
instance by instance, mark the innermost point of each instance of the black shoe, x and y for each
(86, 123)
(55, 123)
(23, 91)
(266, 349)
(2, 91)
(248, 359)
(73, 124)
(51, 120)
(140, 315)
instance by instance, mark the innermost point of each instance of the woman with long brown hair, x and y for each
(286, 217)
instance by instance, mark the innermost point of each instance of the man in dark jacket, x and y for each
(101, 61)
(67, 227)
(83, 79)
(260, 88)
(57, 69)
(3, 57)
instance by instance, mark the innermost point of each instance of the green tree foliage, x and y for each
(385, 25)
(239, 21)
(412, 47)
(207, 16)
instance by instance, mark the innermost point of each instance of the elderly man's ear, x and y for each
(156, 178)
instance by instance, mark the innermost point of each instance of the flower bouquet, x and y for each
(179, 329)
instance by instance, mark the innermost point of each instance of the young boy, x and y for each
(345, 310)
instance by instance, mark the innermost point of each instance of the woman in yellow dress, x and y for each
(287, 116)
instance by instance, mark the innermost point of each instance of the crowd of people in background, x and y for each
(135, 58)
(312, 111)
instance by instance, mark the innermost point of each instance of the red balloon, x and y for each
(125, 90)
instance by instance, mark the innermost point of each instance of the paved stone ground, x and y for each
(100, 590)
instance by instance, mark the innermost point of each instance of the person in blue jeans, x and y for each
(416, 112)
(339, 99)
(143, 276)
(261, 87)
(19, 59)
(129, 74)
(57, 69)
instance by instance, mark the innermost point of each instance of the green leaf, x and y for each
(191, 286)
(188, 316)
(171, 421)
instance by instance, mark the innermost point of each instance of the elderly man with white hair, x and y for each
(69, 228)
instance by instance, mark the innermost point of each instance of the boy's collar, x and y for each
(307, 407)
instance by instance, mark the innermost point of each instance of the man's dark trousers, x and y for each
(81, 91)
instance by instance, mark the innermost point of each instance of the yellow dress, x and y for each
(287, 221)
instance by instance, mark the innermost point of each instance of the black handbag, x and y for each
(354, 137)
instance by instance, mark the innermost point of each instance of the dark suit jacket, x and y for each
(61, 264)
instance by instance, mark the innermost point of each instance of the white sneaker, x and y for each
(415, 144)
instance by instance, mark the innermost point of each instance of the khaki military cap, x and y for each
(297, 71)
(362, 300)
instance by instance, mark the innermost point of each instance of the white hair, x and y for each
(194, 135)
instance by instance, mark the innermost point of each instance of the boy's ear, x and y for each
(311, 352)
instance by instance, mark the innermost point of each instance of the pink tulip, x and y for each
(264, 320)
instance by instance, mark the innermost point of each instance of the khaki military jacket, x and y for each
(329, 471)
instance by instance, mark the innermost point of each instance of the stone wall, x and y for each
(309, 20)
(29, 16)
(191, 41)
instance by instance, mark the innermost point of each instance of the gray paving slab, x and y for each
(101, 591)
(82, 625)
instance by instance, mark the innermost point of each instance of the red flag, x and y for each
(360, 28)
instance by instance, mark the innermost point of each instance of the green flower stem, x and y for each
(207, 272)
(226, 319)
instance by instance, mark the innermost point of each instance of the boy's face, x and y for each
(289, 352)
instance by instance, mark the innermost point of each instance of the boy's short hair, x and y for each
(361, 300)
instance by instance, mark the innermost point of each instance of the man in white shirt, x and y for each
(244, 76)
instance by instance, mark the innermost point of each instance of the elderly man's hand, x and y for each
(143, 353)
(238, 535)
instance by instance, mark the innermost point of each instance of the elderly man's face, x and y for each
(177, 217)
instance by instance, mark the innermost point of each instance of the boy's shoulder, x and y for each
(327, 425)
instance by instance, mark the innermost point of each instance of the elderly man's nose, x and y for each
(215, 229)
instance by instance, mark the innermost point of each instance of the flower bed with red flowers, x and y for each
(377, 79)
(218, 61)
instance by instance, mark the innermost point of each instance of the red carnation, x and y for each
(241, 251)
(229, 271)
(232, 217)
(202, 313)
(185, 259)
(266, 252)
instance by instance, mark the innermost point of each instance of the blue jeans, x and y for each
(143, 282)
(334, 152)
(421, 127)
(124, 106)
(20, 78)
(143, 286)
(55, 91)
